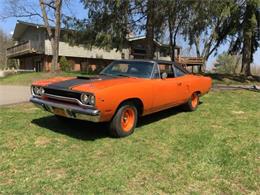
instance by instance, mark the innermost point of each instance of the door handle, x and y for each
(179, 84)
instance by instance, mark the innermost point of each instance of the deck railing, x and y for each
(190, 60)
(24, 48)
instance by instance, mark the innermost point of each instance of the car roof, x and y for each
(154, 61)
(145, 60)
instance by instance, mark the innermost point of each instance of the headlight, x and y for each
(92, 100)
(38, 91)
(84, 98)
(87, 99)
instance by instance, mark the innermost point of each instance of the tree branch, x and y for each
(45, 19)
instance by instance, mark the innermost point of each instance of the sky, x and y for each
(75, 8)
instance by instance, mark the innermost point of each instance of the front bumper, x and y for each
(69, 111)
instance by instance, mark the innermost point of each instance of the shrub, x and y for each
(65, 65)
(229, 64)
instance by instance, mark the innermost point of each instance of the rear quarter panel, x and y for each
(200, 84)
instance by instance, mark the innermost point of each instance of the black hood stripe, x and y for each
(68, 84)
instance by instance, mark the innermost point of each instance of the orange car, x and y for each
(121, 93)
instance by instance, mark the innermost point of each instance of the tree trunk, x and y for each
(246, 56)
(54, 39)
(248, 28)
(55, 58)
(150, 29)
(172, 51)
(197, 46)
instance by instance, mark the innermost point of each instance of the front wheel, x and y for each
(193, 102)
(124, 121)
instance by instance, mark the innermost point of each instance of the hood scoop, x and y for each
(89, 78)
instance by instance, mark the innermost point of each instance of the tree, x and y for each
(150, 27)
(227, 63)
(244, 34)
(53, 37)
(105, 26)
(5, 42)
(176, 14)
(207, 28)
(50, 13)
(110, 22)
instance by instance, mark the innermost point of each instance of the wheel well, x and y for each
(137, 102)
(198, 92)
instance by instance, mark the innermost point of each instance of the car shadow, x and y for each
(85, 130)
(77, 129)
(151, 118)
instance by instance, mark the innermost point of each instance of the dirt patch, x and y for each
(56, 173)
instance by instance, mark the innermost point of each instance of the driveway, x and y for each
(10, 94)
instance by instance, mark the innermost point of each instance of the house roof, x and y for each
(21, 26)
(142, 37)
(136, 38)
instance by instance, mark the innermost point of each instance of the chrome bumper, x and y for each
(70, 111)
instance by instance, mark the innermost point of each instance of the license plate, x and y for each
(59, 111)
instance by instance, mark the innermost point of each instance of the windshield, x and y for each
(129, 69)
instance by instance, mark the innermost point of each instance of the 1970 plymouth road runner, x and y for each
(121, 93)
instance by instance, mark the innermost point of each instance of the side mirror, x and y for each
(164, 75)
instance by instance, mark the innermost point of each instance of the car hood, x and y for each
(92, 83)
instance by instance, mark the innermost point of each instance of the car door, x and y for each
(182, 80)
(168, 91)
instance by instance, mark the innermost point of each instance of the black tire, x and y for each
(116, 125)
(191, 105)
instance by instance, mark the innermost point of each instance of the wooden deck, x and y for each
(26, 47)
(190, 61)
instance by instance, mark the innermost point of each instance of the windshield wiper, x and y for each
(105, 74)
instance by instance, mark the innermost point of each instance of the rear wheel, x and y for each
(124, 121)
(193, 102)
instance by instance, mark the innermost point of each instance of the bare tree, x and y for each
(48, 10)
(5, 42)
(54, 38)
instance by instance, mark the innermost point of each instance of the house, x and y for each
(33, 50)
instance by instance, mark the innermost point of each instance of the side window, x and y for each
(156, 73)
(168, 69)
(178, 72)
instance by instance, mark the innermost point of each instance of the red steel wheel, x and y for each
(124, 121)
(127, 119)
(194, 100)
(192, 103)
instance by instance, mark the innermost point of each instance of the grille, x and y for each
(63, 93)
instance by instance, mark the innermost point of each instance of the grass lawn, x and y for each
(28, 78)
(215, 149)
